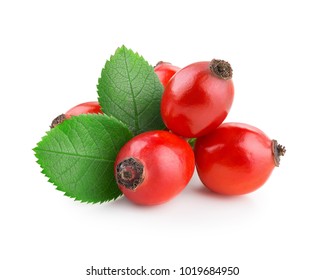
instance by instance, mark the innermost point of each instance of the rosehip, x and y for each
(236, 158)
(165, 71)
(198, 98)
(154, 167)
(91, 107)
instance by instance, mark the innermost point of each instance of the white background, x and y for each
(51, 55)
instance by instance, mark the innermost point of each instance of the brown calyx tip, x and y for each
(129, 173)
(221, 69)
(161, 62)
(59, 119)
(277, 151)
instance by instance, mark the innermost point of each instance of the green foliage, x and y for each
(129, 90)
(78, 156)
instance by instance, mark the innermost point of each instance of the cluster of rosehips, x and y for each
(230, 158)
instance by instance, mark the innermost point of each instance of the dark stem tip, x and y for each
(129, 173)
(161, 62)
(59, 119)
(221, 69)
(277, 151)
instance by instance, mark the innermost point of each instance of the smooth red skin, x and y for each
(91, 107)
(168, 166)
(234, 159)
(165, 71)
(195, 101)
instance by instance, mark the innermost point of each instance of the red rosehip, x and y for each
(154, 167)
(91, 107)
(198, 98)
(236, 158)
(165, 71)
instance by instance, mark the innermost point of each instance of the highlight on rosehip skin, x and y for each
(236, 158)
(198, 98)
(91, 107)
(154, 167)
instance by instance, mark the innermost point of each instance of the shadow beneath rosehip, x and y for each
(124, 203)
(203, 191)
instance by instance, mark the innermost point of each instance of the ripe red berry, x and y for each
(165, 71)
(91, 107)
(154, 167)
(198, 98)
(236, 158)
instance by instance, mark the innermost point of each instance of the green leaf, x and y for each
(78, 156)
(129, 90)
(192, 142)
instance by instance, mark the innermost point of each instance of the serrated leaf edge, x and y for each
(40, 163)
(100, 99)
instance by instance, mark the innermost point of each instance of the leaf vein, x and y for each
(75, 155)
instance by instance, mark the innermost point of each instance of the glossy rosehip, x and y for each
(91, 107)
(198, 98)
(154, 167)
(236, 158)
(165, 71)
